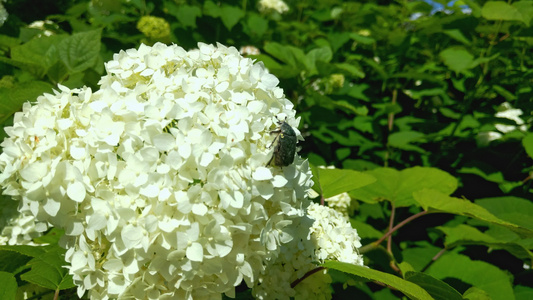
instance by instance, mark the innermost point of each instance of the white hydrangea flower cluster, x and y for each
(17, 228)
(159, 178)
(334, 236)
(273, 5)
(341, 203)
(329, 237)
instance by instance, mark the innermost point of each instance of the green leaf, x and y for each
(398, 186)
(256, 25)
(467, 235)
(458, 59)
(37, 55)
(434, 200)
(351, 69)
(211, 9)
(527, 142)
(47, 270)
(81, 50)
(410, 289)
(500, 10)
(523, 292)
(51, 237)
(475, 293)
(231, 15)
(13, 98)
(187, 15)
(337, 181)
(526, 10)
(512, 209)
(496, 282)
(438, 289)
(364, 230)
(404, 139)
(31, 251)
(9, 286)
(292, 56)
(11, 261)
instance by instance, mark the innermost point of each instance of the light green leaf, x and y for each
(475, 293)
(187, 15)
(351, 69)
(526, 10)
(231, 15)
(9, 286)
(81, 50)
(522, 292)
(47, 270)
(364, 230)
(496, 282)
(37, 55)
(256, 25)
(404, 139)
(438, 289)
(512, 209)
(467, 235)
(410, 289)
(211, 9)
(398, 186)
(527, 142)
(458, 59)
(500, 10)
(31, 251)
(434, 200)
(337, 181)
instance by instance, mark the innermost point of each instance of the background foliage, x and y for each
(405, 101)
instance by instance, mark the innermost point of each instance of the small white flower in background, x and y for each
(3, 13)
(506, 111)
(249, 50)
(275, 5)
(44, 26)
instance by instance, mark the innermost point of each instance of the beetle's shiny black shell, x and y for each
(285, 147)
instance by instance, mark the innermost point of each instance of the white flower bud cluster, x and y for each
(273, 5)
(159, 178)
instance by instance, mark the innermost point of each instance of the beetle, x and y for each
(285, 147)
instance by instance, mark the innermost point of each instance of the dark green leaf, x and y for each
(231, 15)
(496, 282)
(187, 15)
(47, 270)
(438, 289)
(527, 142)
(81, 50)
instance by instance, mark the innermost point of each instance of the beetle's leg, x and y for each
(277, 136)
